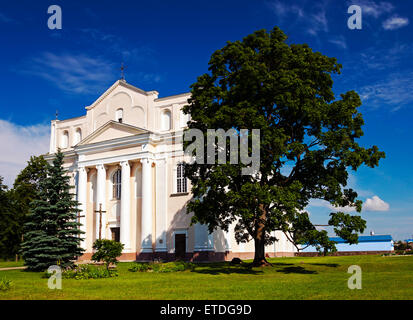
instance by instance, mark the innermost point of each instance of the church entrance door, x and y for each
(180, 246)
(115, 234)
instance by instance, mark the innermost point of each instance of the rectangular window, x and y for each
(181, 180)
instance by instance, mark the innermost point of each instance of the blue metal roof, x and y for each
(378, 238)
(409, 240)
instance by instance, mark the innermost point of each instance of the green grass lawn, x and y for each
(289, 278)
(9, 264)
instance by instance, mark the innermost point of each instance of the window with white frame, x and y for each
(119, 115)
(78, 136)
(166, 120)
(64, 143)
(117, 184)
(181, 179)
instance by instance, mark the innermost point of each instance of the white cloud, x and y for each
(78, 74)
(17, 144)
(326, 204)
(385, 58)
(375, 204)
(395, 23)
(313, 18)
(318, 22)
(339, 41)
(395, 90)
(372, 8)
(5, 19)
(281, 9)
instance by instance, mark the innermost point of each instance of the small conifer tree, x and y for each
(52, 234)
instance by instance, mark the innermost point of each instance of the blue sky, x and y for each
(167, 44)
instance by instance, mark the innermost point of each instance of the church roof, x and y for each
(122, 83)
(126, 129)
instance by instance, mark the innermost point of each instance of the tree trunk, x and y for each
(259, 242)
(259, 254)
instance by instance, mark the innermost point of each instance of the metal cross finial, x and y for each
(122, 72)
(57, 114)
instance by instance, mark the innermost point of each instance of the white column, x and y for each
(228, 235)
(146, 223)
(161, 205)
(81, 198)
(52, 148)
(211, 246)
(101, 199)
(125, 207)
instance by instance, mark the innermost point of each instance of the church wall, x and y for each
(177, 219)
(111, 153)
(70, 126)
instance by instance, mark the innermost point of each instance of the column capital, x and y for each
(100, 166)
(124, 163)
(161, 161)
(147, 161)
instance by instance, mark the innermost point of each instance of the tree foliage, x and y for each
(107, 251)
(27, 184)
(15, 205)
(9, 224)
(308, 142)
(52, 234)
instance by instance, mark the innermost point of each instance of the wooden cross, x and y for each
(79, 216)
(100, 211)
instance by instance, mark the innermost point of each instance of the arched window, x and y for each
(119, 115)
(78, 136)
(181, 184)
(117, 184)
(166, 120)
(64, 143)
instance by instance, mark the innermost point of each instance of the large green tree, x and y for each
(9, 224)
(308, 142)
(52, 234)
(27, 184)
(25, 190)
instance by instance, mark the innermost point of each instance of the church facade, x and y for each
(125, 160)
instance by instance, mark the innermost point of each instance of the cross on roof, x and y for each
(122, 72)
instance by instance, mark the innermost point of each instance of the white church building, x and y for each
(125, 159)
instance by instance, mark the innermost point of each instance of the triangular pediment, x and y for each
(112, 130)
(120, 84)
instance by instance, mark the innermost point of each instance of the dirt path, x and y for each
(12, 268)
